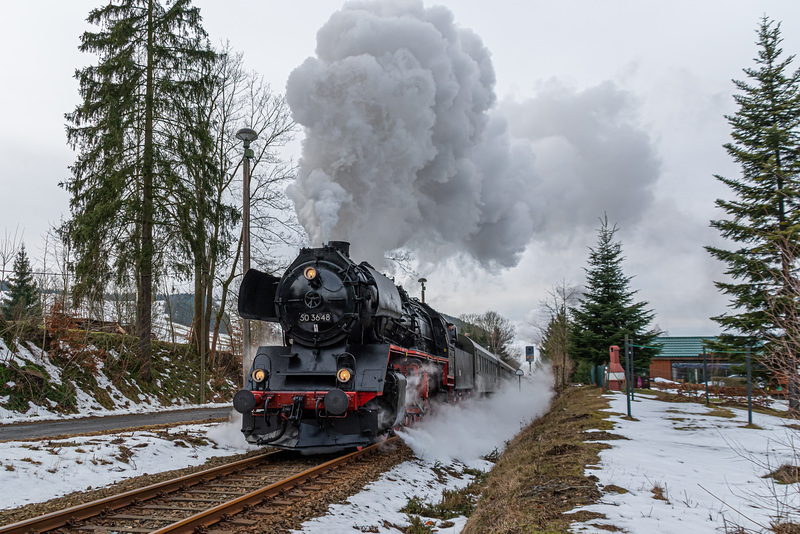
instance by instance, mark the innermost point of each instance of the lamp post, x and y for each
(247, 135)
(422, 281)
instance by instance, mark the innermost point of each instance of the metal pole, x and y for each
(627, 377)
(749, 391)
(705, 374)
(246, 258)
(632, 372)
(246, 135)
(202, 339)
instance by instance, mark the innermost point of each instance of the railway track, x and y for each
(259, 486)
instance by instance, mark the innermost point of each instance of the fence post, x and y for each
(628, 377)
(749, 391)
(705, 372)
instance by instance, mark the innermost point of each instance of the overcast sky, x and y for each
(631, 92)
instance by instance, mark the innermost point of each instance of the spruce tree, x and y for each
(22, 299)
(606, 311)
(764, 218)
(149, 54)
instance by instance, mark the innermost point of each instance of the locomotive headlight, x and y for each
(310, 273)
(344, 375)
(258, 375)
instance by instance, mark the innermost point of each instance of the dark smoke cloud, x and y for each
(404, 146)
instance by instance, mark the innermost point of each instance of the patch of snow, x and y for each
(382, 500)
(42, 470)
(664, 381)
(709, 468)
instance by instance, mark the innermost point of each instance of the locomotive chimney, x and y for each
(342, 246)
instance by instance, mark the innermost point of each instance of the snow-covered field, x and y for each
(710, 470)
(42, 470)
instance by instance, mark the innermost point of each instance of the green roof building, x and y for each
(681, 359)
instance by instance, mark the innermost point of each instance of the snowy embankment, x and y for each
(686, 467)
(87, 406)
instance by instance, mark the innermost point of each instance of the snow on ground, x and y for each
(699, 460)
(383, 499)
(42, 470)
(710, 469)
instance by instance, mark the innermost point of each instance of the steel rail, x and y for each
(222, 511)
(79, 512)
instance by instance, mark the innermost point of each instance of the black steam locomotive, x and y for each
(360, 356)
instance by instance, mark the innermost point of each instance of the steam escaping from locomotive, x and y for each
(396, 108)
(450, 433)
(405, 146)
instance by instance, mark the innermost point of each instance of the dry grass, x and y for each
(725, 413)
(658, 493)
(541, 473)
(786, 474)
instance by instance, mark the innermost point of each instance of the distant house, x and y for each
(681, 359)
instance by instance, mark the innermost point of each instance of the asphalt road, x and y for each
(45, 429)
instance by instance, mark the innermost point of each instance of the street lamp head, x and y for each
(422, 280)
(247, 135)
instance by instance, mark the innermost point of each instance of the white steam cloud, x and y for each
(404, 146)
(469, 430)
(229, 433)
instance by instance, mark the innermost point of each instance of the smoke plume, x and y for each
(404, 146)
(591, 156)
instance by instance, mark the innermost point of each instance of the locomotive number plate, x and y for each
(315, 318)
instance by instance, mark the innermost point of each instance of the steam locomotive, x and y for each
(360, 356)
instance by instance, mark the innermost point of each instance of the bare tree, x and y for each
(493, 331)
(780, 353)
(244, 99)
(9, 246)
(554, 327)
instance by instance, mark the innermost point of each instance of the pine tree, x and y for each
(764, 219)
(148, 56)
(606, 311)
(23, 294)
